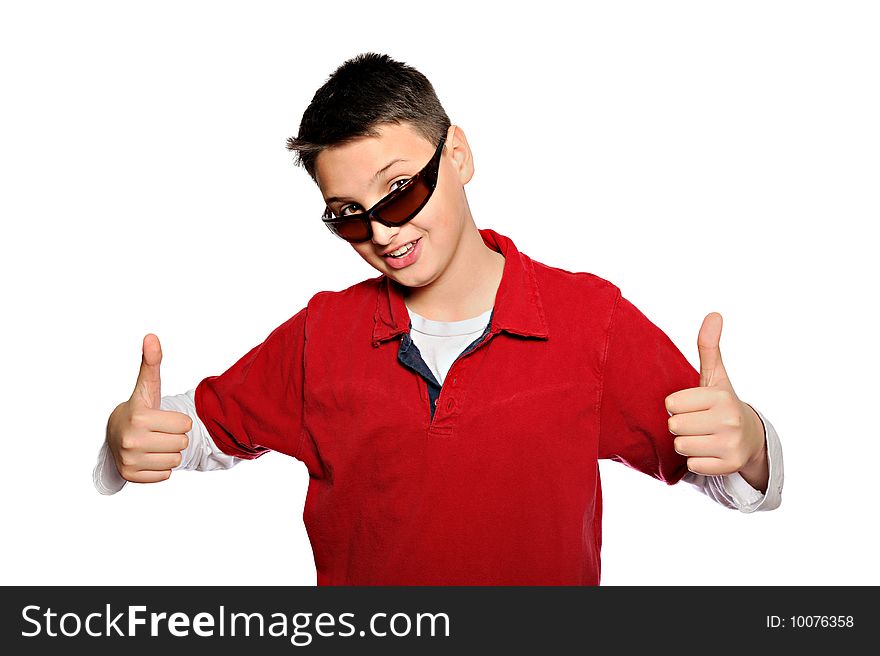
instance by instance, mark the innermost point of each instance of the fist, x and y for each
(147, 442)
(719, 433)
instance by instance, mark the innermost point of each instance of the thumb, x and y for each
(148, 389)
(712, 372)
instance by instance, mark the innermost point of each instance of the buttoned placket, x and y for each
(517, 310)
(409, 355)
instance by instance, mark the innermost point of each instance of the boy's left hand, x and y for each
(716, 431)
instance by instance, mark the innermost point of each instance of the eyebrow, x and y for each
(386, 167)
(336, 199)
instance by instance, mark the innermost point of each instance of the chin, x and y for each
(413, 281)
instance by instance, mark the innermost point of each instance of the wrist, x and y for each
(756, 470)
(758, 460)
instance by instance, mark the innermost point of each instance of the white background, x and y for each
(703, 156)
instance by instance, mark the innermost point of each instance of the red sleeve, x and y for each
(642, 367)
(257, 404)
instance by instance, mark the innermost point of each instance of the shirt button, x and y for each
(450, 404)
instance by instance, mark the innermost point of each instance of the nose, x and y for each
(382, 234)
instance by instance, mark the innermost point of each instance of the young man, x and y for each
(452, 410)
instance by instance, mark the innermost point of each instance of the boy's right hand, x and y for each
(146, 442)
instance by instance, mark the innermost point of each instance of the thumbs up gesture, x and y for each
(146, 442)
(717, 432)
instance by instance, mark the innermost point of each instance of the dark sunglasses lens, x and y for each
(353, 230)
(405, 204)
(395, 210)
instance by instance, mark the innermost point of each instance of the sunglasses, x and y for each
(395, 209)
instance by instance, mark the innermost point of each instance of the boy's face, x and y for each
(349, 173)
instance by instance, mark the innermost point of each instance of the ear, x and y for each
(462, 159)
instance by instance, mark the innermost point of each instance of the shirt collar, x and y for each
(518, 308)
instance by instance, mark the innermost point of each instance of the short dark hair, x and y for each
(361, 95)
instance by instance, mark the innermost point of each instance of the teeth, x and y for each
(402, 249)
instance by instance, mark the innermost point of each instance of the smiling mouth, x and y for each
(409, 248)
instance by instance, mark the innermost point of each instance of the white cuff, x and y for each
(105, 476)
(202, 454)
(733, 491)
(741, 493)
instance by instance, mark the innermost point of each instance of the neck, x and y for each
(467, 287)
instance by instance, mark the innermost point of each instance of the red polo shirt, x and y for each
(501, 486)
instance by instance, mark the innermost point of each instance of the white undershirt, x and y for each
(440, 343)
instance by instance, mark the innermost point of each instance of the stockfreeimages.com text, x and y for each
(136, 621)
